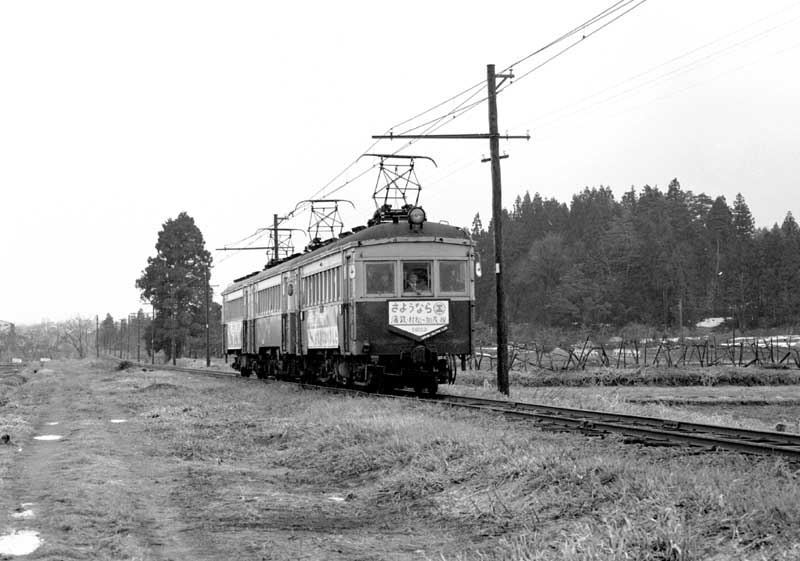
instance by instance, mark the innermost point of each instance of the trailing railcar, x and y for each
(385, 306)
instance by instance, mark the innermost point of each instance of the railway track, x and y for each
(10, 368)
(648, 430)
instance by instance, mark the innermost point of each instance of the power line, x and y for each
(464, 106)
(570, 47)
(460, 109)
(682, 69)
(568, 34)
(559, 114)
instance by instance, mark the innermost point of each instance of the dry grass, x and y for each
(249, 470)
(668, 402)
(515, 492)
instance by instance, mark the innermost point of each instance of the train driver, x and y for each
(416, 283)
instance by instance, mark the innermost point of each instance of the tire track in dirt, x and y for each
(94, 492)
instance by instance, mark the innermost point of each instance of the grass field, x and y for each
(495, 489)
(232, 469)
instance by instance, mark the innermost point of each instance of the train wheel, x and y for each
(423, 387)
(344, 375)
(377, 383)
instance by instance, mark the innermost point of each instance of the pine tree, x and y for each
(108, 330)
(742, 261)
(174, 282)
(719, 224)
(743, 224)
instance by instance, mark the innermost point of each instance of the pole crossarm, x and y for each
(241, 248)
(466, 136)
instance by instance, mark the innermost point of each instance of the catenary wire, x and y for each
(560, 114)
(460, 110)
(570, 106)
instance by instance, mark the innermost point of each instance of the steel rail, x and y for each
(650, 429)
(592, 424)
(758, 436)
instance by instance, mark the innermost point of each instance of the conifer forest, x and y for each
(658, 258)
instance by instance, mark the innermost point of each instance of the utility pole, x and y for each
(153, 335)
(495, 157)
(287, 247)
(275, 237)
(497, 219)
(97, 336)
(172, 331)
(128, 348)
(208, 339)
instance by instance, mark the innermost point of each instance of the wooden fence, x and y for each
(775, 352)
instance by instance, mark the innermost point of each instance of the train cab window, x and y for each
(452, 276)
(416, 277)
(380, 278)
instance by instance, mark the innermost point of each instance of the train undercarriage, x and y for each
(419, 368)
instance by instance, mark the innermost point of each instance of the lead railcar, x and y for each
(385, 306)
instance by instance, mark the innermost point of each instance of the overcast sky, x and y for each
(116, 116)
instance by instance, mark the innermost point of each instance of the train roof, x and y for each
(396, 231)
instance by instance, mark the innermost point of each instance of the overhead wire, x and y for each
(611, 9)
(682, 69)
(746, 41)
(711, 78)
(260, 233)
(436, 123)
(576, 43)
(459, 109)
(462, 108)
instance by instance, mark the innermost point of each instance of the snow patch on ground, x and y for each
(48, 437)
(119, 421)
(52, 423)
(23, 514)
(20, 543)
(711, 322)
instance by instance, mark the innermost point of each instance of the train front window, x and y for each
(380, 278)
(452, 276)
(416, 277)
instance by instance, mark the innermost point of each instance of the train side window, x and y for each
(452, 276)
(234, 309)
(416, 277)
(336, 272)
(380, 278)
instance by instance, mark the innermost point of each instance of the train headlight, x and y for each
(416, 216)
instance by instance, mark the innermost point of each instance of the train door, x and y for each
(245, 322)
(348, 305)
(289, 318)
(294, 318)
(285, 331)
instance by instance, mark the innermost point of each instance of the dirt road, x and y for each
(92, 489)
(123, 474)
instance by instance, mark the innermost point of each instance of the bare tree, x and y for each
(75, 332)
